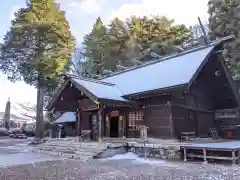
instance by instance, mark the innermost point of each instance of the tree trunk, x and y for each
(39, 113)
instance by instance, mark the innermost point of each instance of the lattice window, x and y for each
(134, 118)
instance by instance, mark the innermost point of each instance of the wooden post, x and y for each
(233, 157)
(185, 154)
(238, 155)
(100, 136)
(120, 126)
(77, 123)
(171, 120)
(107, 125)
(205, 156)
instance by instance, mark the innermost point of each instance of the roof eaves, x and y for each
(84, 90)
(160, 91)
(216, 44)
(54, 98)
(230, 80)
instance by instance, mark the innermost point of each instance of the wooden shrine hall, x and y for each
(178, 93)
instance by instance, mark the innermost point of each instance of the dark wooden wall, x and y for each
(192, 120)
(157, 116)
(193, 111)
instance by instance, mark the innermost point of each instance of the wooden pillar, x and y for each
(77, 123)
(100, 125)
(238, 155)
(120, 126)
(79, 118)
(205, 156)
(185, 154)
(125, 124)
(107, 125)
(233, 157)
(171, 120)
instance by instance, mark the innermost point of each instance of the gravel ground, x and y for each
(118, 170)
(5, 141)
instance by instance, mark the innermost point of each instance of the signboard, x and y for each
(114, 113)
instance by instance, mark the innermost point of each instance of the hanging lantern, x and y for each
(107, 119)
(120, 118)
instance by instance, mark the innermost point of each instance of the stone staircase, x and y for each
(75, 150)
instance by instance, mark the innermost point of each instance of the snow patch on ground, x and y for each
(136, 159)
(23, 158)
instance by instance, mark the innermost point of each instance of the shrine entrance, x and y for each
(114, 126)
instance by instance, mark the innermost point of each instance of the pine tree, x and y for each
(225, 20)
(37, 48)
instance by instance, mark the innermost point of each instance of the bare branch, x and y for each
(29, 116)
(27, 108)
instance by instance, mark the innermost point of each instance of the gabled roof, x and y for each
(99, 89)
(66, 117)
(174, 71)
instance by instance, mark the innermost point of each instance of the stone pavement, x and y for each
(118, 169)
(18, 163)
(17, 152)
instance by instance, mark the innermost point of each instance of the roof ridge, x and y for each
(171, 56)
(94, 80)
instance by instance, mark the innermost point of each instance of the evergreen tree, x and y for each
(225, 20)
(125, 43)
(117, 38)
(157, 29)
(80, 66)
(37, 48)
(94, 46)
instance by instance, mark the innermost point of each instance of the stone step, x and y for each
(82, 145)
(59, 149)
(88, 153)
(72, 156)
(69, 148)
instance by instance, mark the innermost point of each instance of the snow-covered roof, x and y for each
(100, 89)
(66, 117)
(175, 71)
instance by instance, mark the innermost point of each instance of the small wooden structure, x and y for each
(179, 93)
(213, 151)
(68, 122)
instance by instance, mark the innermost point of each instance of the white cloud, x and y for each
(91, 6)
(184, 11)
(83, 6)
